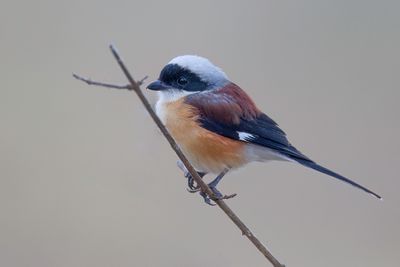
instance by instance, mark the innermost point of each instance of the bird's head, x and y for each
(189, 74)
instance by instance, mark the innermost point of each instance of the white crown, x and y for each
(203, 68)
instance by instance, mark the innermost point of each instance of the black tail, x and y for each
(319, 168)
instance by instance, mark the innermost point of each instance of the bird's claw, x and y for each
(192, 188)
(207, 200)
(195, 190)
(217, 196)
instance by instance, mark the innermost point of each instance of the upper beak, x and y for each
(158, 86)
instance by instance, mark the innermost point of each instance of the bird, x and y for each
(218, 126)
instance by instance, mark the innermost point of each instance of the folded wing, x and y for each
(230, 112)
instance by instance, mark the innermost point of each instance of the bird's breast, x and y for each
(207, 151)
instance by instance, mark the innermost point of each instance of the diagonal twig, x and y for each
(135, 86)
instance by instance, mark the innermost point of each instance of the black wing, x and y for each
(261, 130)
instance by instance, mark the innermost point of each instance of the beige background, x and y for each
(87, 180)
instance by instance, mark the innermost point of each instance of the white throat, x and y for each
(172, 95)
(168, 96)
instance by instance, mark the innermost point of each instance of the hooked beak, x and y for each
(158, 86)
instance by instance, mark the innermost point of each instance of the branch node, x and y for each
(142, 80)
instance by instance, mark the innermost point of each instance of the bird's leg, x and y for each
(213, 186)
(192, 188)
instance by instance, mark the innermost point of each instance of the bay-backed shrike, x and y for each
(217, 125)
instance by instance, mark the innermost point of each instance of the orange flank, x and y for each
(207, 151)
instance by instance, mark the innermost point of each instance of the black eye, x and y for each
(182, 81)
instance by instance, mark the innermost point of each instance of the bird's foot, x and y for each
(217, 196)
(192, 187)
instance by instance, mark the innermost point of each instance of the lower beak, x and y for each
(158, 86)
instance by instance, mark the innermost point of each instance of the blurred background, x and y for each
(86, 179)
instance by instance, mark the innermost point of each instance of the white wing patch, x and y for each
(245, 136)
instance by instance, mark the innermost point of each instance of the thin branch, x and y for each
(90, 82)
(107, 85)
(135, 86)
